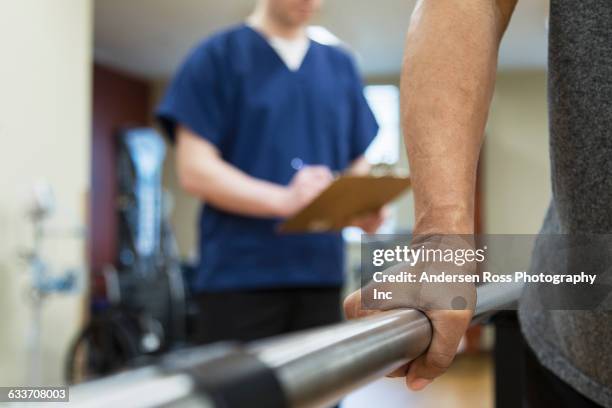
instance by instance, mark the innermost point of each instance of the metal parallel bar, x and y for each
(318, 368)
(314, 368)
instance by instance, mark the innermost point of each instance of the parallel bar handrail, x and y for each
(313, 368)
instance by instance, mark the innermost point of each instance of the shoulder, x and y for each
(340, 56)
(226, 39)
(218, 47)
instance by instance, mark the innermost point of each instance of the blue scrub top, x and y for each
(236, 92)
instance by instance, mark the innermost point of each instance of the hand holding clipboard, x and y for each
(347, 198)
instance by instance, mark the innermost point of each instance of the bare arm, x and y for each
(204, 174)
(447, 83)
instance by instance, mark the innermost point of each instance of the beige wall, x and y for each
(45, 133)
(517, 176)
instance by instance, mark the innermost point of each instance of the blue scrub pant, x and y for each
(256, 314)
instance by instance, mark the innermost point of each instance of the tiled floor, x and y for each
(468, 383)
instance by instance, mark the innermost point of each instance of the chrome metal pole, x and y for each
(317, 368)
(314, 368)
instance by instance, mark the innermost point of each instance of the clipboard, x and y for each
(345, 199)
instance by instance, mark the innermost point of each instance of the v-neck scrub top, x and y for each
(236, 92)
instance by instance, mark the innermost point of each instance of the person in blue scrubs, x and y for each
(262, 117)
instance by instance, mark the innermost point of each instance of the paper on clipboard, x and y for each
(345, 199)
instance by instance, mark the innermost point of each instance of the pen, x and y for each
(298, 164)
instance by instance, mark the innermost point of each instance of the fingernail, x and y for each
(419, 384)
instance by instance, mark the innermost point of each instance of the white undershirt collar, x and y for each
(291, 51)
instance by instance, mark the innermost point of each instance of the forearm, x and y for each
(447, 83)
(203, 174)
(229, 189)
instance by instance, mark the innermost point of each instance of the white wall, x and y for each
(517, 175)
(45, 133)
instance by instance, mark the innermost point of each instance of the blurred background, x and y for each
(76, 72)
